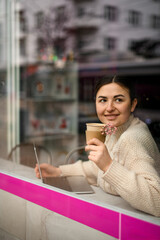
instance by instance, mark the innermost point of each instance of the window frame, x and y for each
(134, 18)
(110, 43)
(110, 13)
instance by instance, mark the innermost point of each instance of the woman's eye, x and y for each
(102, 100)
(118, 100)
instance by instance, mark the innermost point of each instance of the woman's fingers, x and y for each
(43, 167)
(36, 169)
(95, 141)
(92, 153)
(37, 172)
(92, 158)
(94, 145)
(37, 175)
(90, 148)
(47, 170)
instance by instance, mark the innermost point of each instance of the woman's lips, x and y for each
(111, 117)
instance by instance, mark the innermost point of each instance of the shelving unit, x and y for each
(50, 111)
(87, 109)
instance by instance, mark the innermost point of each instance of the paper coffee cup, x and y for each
(94, 131)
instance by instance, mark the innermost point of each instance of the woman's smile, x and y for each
(111, 116)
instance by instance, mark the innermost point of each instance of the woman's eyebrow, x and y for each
(102, 97)
(118, 95)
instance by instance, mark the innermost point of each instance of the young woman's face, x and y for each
(113, 104)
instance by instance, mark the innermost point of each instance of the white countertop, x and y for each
(99, 198)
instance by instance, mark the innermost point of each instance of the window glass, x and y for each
(155, 21)
(51, 55)
(39, 19)
(135, 18)
(1, 35)
(110, 43)
(23, 47)
(3, 82)
(110, 13)
(80, 11)
(51, 58)
(22, 21)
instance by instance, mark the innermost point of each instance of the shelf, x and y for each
(55, 136)
(50, 99)
(50, 105)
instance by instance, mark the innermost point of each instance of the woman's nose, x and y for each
(110, 107)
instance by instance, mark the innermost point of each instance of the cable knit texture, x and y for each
(135, 171)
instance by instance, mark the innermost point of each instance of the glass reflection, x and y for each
(51, 55)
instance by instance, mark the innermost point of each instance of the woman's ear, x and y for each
(134, 104)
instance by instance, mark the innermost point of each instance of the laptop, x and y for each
(76, 184)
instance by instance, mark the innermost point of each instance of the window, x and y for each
(134, 18)
(59, 47)
(1, 48)
(23, 47)
(23, 26)
(131, 44)
(40, 45)
(137, 45)
(39, 19)
(155, 21)
(81, 43)
(1, 31)
(60, 15)
(110, 13)
(80, 11)
(110, 43)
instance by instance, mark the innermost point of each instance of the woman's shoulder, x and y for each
(138, 134)
(138, 128)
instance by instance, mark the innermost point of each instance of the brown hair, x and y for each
(121, 80)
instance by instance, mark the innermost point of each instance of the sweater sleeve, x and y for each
(87, 169)
(136, 179)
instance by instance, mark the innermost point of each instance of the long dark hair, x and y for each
(121, 80)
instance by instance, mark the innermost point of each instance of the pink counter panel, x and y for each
(113, 223)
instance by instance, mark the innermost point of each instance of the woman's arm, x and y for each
(86, 168)
(134, 175)
(132, 171)
(139, 188)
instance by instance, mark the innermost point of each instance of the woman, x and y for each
(128, 163)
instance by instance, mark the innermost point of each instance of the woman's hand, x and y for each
(98, 154)
(47, 170)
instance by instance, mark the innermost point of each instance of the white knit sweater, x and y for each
(135, 171)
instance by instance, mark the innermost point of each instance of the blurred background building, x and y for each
(52, 52)
(91, 30)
